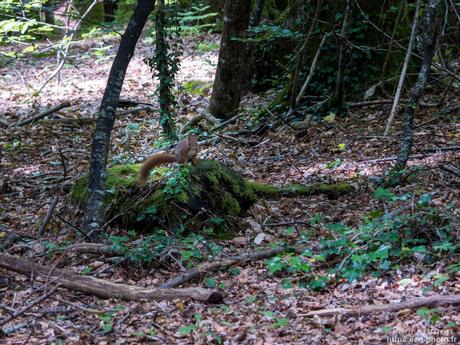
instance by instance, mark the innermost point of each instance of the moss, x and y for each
(229, 204)
(263, 189)
(197, 87)
(333, 190)
(216, 179)
(119, 177)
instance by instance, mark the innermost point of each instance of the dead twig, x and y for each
(402, 77)
(450, 169)
(43, 114)
(48, 216)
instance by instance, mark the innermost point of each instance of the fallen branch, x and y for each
(93, 248)
(43, 114)
(197, 119)
(386, 101)
(69, 121)
(221, 264)
(135, 110)
(103, 288)
(49, 214)
(432, 301)
(443, 149)
(123, 102)
(10, 239)
(450, 169)
(227, 122)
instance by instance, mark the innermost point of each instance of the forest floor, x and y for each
(257, 308)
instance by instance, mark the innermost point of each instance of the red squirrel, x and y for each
(185, 150)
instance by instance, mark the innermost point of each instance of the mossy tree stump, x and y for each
(207, 197)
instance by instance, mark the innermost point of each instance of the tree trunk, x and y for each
(226, 91)
(110, 7)
(94, 212)
(429, 35)
(394, 108)
(337, 101)
(300, 55)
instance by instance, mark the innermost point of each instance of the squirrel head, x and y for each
(192, 139)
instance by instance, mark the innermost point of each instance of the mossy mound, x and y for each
(205, 197)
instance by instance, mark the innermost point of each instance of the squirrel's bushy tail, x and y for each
(152, 162)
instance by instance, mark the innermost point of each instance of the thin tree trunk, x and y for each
(47, 11)
(257, 14)
(339, 93)
(394, 108)
(253, 22)
(226, 91)
(110, 7)
(311, 73)
(94, 212)
(390, 47)
(302, 50)
(429, 35)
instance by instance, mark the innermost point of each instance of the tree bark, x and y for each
(94, 212)
(226, 91)
(429, 35)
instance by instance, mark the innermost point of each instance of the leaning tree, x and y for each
(94, 212)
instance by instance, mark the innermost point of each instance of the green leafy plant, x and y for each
(184, 330)
(177, 183)
(106, 321)
(381, 242)
(196, 19)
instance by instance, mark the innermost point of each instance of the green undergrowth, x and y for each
(383, 241)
